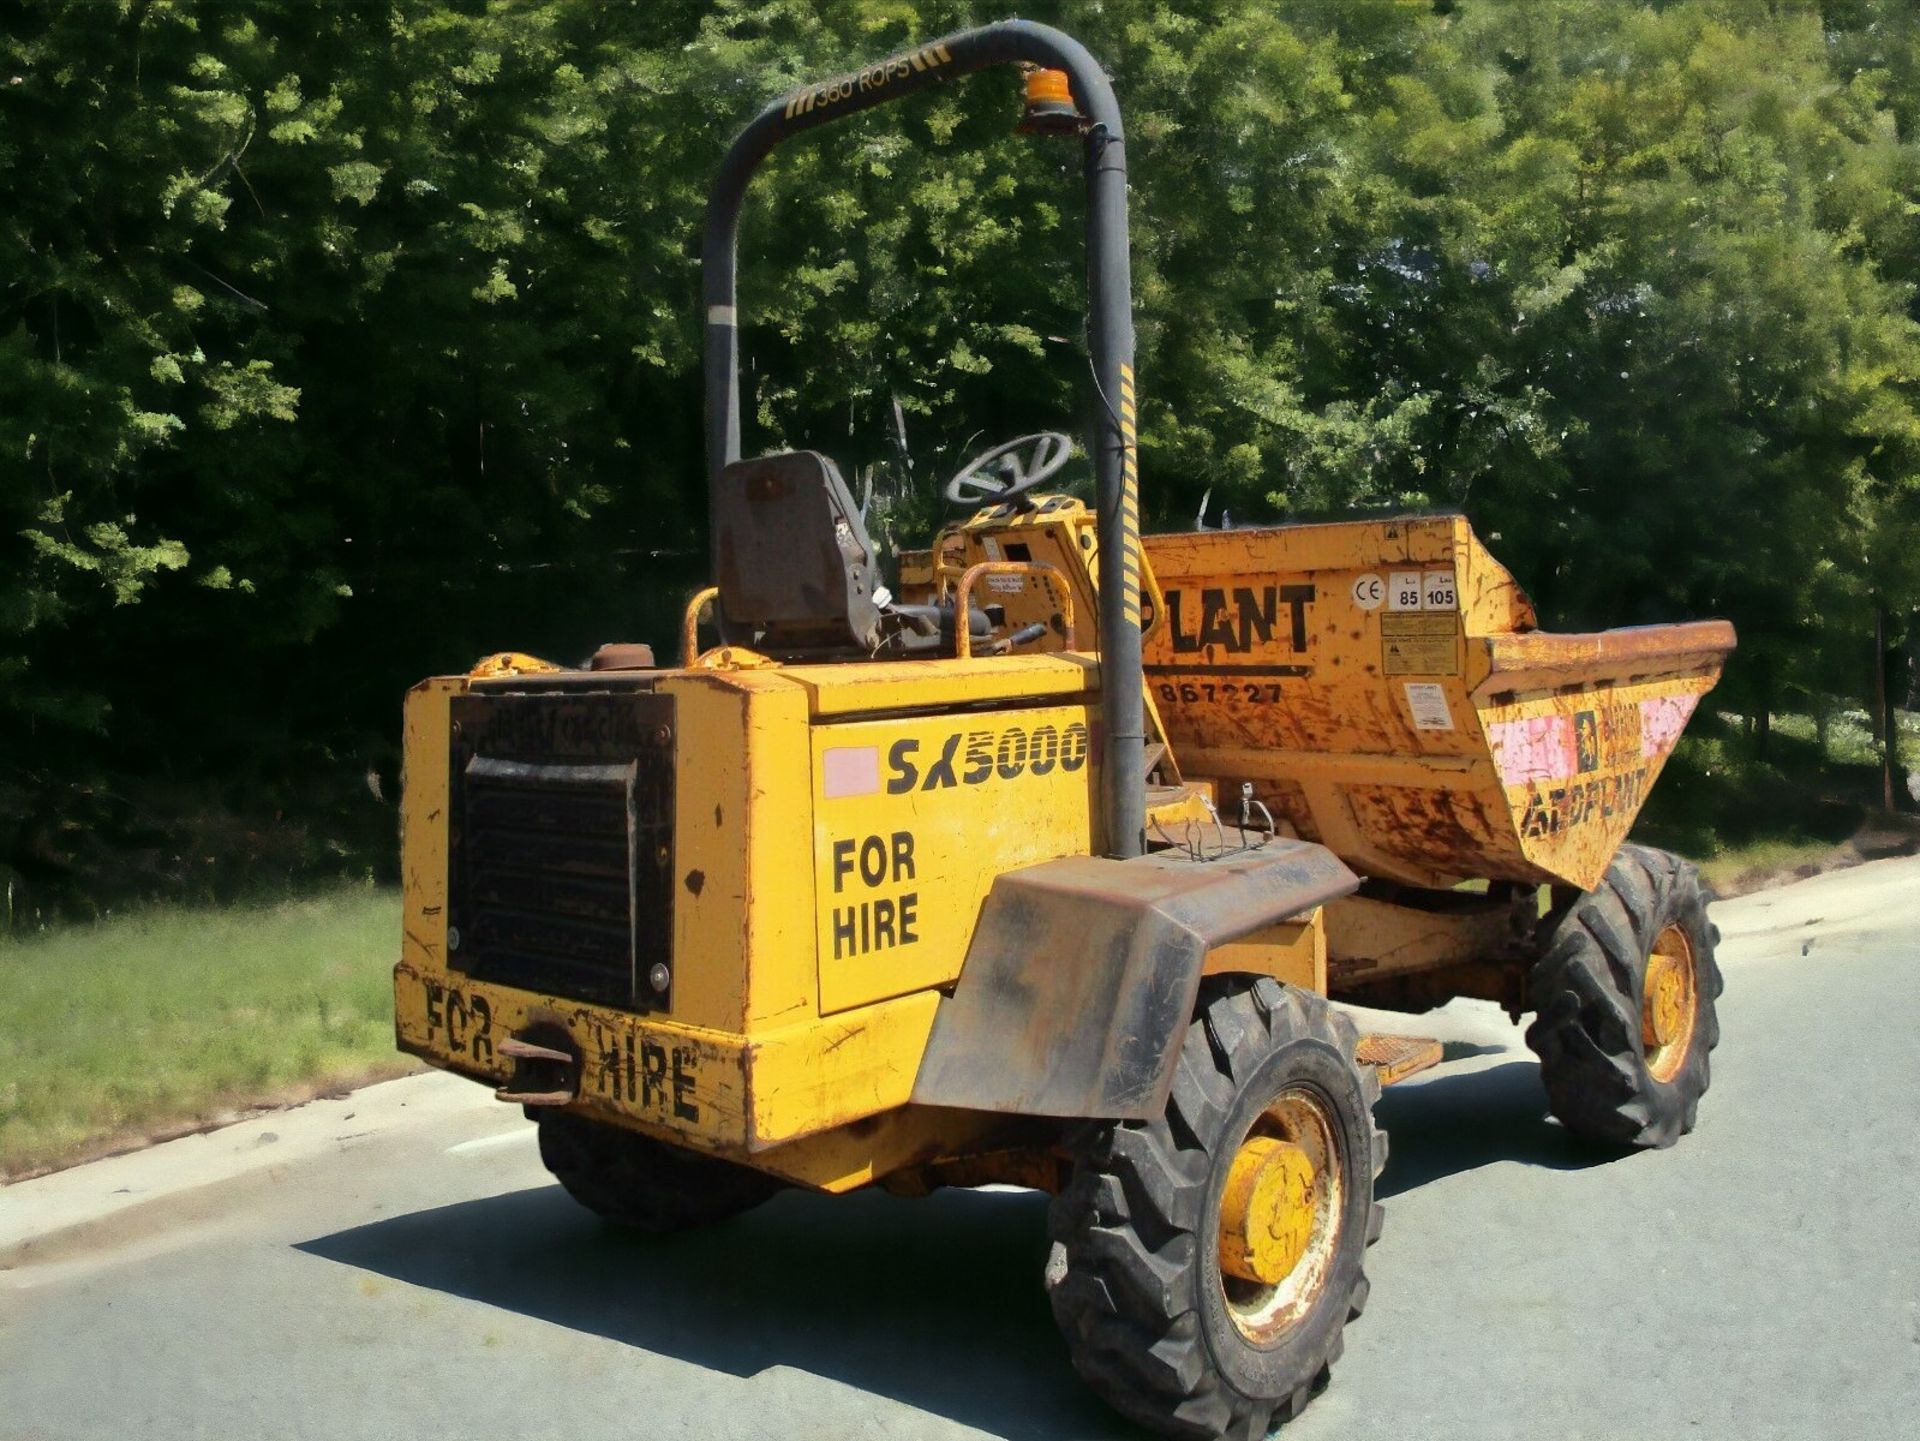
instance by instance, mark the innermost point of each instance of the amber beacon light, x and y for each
(1050, 109)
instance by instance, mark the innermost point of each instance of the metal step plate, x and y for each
(1397, 1057)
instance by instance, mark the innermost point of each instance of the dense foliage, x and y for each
(341, 343)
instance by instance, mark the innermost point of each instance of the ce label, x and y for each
(1369, 592)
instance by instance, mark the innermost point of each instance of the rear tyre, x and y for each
(1625, 990)
(1147, 1236)
(644, 1184)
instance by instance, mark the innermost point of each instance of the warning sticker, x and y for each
(1419, 643)
(1428, 702)
(850, 771)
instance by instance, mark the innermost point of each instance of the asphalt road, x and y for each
(396, 1265)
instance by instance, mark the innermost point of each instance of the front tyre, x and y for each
(644, 1184)
(1205, 1263)
(1625, 989)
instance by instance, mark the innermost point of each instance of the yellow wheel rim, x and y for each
(1670, 1004)
(1280, 1215)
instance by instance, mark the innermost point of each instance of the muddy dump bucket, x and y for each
(1383, 686)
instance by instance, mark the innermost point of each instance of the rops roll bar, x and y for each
(1110, 335)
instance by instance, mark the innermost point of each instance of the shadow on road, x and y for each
(936, 1303)
(1461, 1122)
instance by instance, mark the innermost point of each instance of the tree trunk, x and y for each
(1883, 713)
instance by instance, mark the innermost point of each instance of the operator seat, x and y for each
(795, 567)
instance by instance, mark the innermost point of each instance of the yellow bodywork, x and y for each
(509, 662)
(1379, 686)
(1384, 686)
(836, 829)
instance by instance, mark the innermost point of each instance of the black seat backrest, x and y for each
(792, 559)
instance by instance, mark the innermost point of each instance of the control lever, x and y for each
(1022, 636)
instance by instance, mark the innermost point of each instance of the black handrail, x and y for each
(1110, 336)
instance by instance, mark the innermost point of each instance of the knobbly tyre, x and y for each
(1047, 866)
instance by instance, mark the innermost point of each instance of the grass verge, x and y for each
(172, 1019)
(1753, 815)
(1755, 866)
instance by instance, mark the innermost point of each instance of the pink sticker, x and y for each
(1533, 748)
(850, 771)
(1661, 720)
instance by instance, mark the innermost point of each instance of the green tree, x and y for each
(339, 344)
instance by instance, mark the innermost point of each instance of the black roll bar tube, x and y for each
(1110, 337)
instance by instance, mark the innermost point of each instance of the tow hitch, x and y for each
(542, 1075)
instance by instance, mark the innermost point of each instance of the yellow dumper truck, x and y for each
(1045, 864)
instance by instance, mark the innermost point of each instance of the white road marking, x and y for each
(486, 1144)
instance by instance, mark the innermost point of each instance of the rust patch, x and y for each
(1422, 780)
(696, 882)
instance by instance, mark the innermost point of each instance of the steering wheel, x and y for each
(1009, 469)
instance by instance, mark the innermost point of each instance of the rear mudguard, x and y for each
(1082, 975)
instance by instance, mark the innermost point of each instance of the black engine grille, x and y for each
(561, 866)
